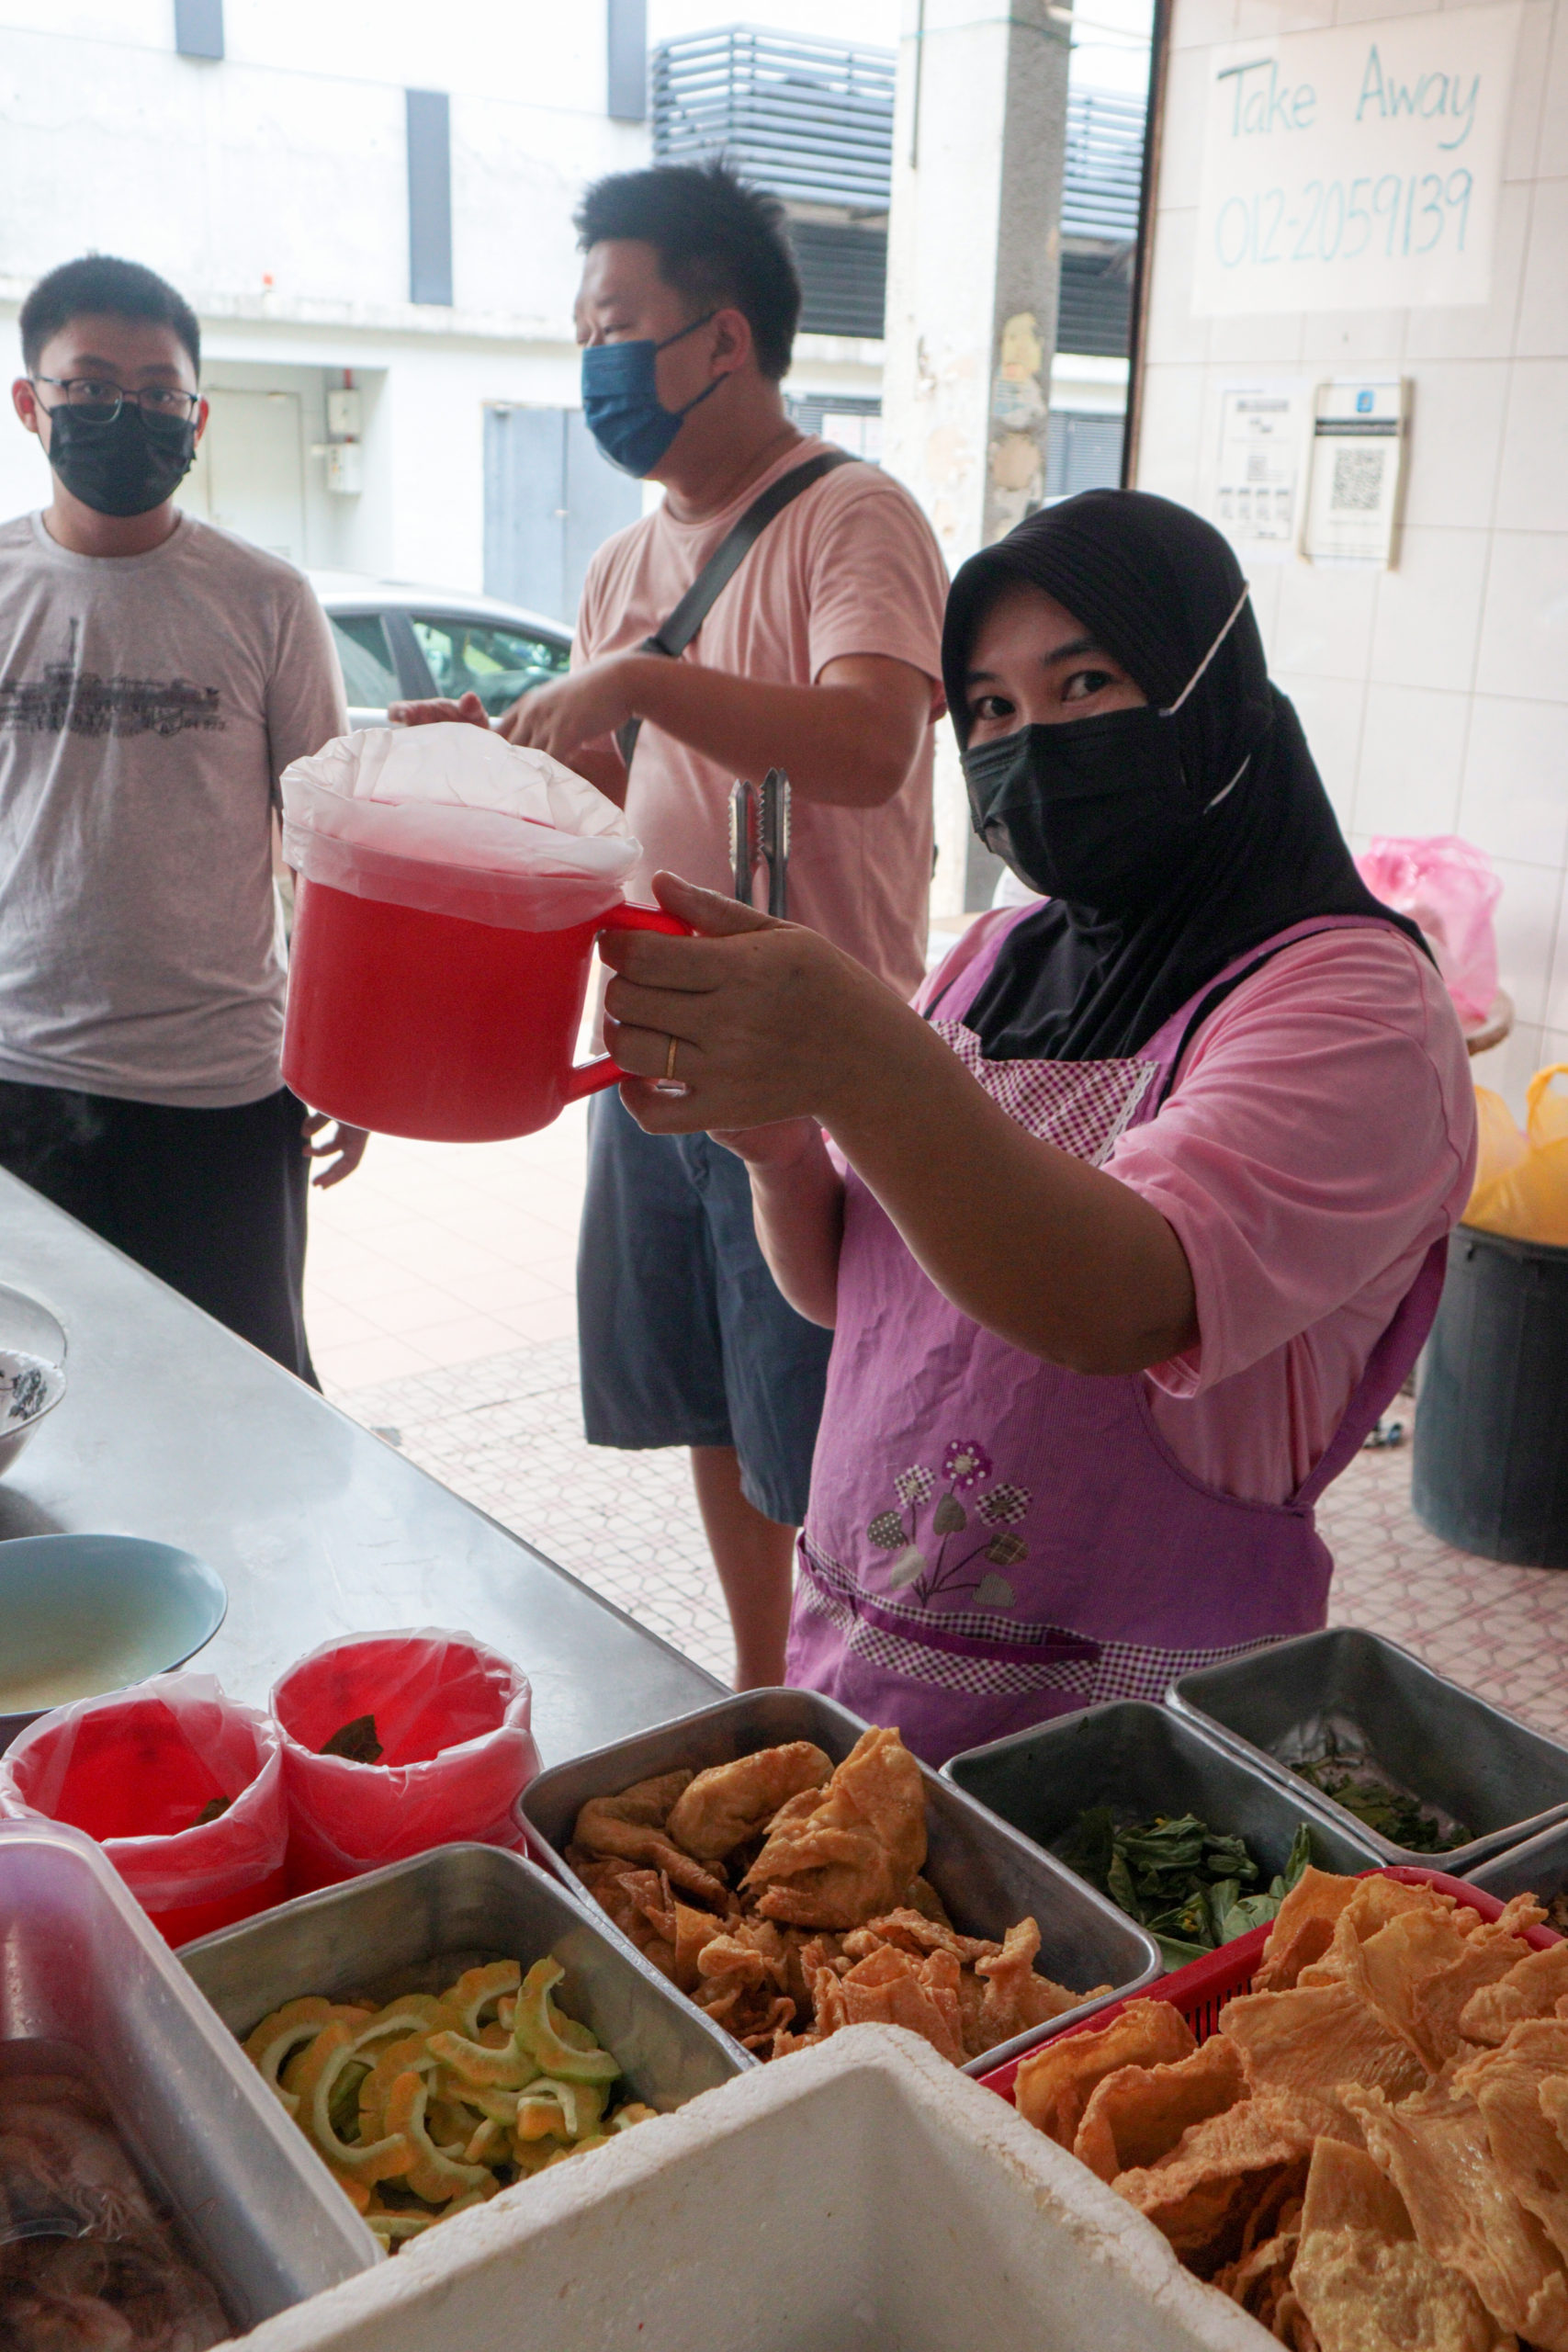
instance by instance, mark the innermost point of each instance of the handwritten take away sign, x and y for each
(1356, 169)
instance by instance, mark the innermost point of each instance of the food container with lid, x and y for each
(88, 1982)
(1448, 1747)
(988, 1876)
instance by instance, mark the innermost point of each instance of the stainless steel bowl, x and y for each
(1446, 1746)
(83, 1968)
(985, 1873)
(417, 1924)
(1141, 1759)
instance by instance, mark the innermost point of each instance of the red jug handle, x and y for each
(591, 1077)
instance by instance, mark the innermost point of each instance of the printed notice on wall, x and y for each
(1358, 453)
(1263, 430)
(1354, 169)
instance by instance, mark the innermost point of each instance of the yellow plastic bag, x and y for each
(1522, 1180)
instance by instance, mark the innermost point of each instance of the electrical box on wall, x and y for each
(1357, 471)
(345, 471)
(344, 414)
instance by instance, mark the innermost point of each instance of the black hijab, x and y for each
(1154, 584)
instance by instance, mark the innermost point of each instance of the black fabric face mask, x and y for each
(126, 468)
(1090, 810)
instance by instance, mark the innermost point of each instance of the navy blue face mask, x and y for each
(621, 402)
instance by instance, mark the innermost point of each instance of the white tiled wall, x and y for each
(1435, 695)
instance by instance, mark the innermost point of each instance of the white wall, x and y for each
(1434, 695)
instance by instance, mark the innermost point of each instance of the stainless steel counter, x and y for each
(173, 1429)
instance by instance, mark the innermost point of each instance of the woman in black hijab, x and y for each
(1168, 840)
(1133, 1226)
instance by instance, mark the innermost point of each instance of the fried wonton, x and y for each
(855, 1851)
(1507, 2084)
(1138, 2114)
(630, 1829)
(729, 1804)
(1532, 1989)
(1053, 2085)
(1434, 2148)
(640, 1902)
(890, 1988)
(1015, 1996)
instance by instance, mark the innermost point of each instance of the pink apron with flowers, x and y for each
(991, 1539)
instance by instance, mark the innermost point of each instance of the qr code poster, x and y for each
(1357, 459)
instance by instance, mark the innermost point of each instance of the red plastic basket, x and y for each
(1201, 1989)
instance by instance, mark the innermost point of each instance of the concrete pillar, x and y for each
(973, 256)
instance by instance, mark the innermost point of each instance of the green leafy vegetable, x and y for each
(1192, 1887)
(1368, 1792)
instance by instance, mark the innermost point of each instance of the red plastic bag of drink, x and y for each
(182, 1787)
(448, 1721)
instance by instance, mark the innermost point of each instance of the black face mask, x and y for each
(1090, 810)
(126, 468)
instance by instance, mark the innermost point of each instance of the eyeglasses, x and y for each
(99, 404)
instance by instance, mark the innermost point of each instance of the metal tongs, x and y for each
(759, 834)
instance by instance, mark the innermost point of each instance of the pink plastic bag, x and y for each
(1451, 890)
(457, 1753)
(135, 1767)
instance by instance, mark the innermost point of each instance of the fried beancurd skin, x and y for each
(1053, 2085)
(730, 1803)
(839, 1859)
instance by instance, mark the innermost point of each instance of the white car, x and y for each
(399, 642)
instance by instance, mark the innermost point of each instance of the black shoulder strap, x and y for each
(677, 629)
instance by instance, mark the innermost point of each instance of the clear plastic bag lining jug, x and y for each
(450, 889)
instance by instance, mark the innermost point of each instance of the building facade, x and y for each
(371, 213)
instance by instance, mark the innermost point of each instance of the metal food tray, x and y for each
(1442, 1742)
(86, 1978)
(417, 1924)
(1142, 1760)
(1538, 1867)
(988, 1876)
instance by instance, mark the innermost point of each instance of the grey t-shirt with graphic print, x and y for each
(148, 706)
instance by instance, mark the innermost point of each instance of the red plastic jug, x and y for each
(436, 1026)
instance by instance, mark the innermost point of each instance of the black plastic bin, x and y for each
(1491, 1458)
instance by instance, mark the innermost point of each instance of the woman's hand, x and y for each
(773, 1025)
(769, 1021)
(776, 1149)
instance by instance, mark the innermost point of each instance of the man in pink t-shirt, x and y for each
(821, 657)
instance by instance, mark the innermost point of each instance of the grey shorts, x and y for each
(684, 1336)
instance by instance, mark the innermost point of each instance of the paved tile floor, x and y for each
(441, 1307)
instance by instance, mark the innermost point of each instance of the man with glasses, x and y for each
(156, 677)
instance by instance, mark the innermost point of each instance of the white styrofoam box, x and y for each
(861, 2197)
